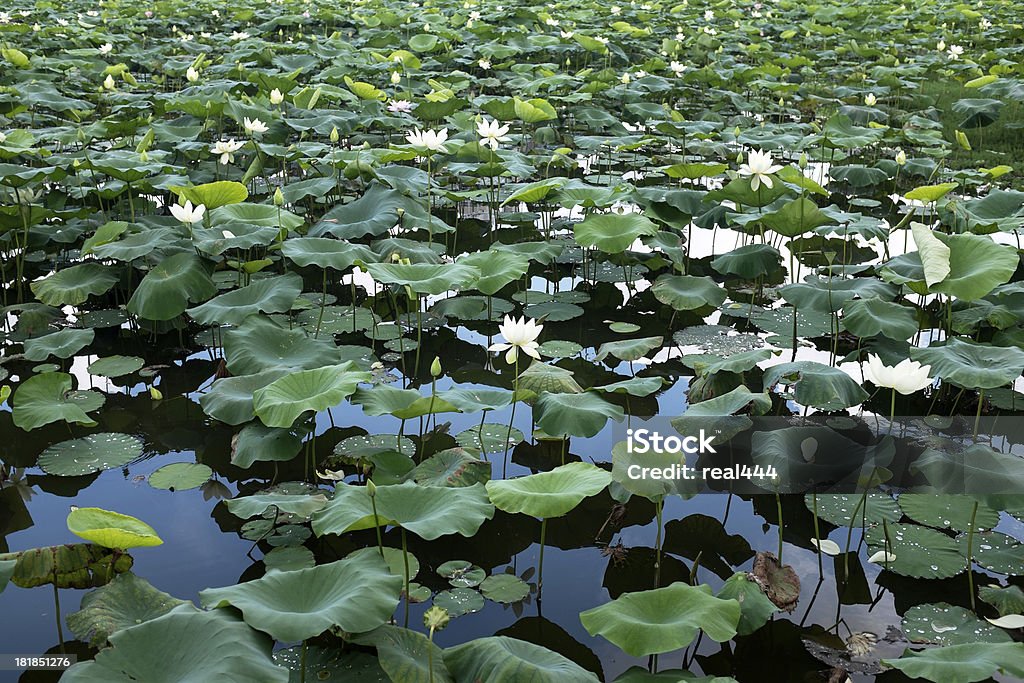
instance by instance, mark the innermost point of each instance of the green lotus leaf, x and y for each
(126, 601)
(214, 195)
(427, 511)
(934, 254)
(499, 658)
(75, 565)
(259, 443)
(116, 366)
(549, 494)
(205, 646)
(818, 385)
(259, 345)
(62, 344)
(946, 511)
(73, 286)
(425, 278)
(996, 552)
(282, 401)
(459, 601)
(230, 398)
(180, 476)
(629, 349)
(489, 437)
(47, 398)
(663, 620)
(846, 509)
(497, 269)
(871, 317)
(404, 404)
(748, 262)
(541, 377)
(931, 193)
(755, 607)
(651, 488)
(979, 470)
(505, 588)
(289, 558)
(965, 663)
(946, 624)
(977, 265)
(254, 215)
(969, 364)
(574, 414)
(451, 467)
(687, 293)
(325, 252)
(920, 552)
(136, 245)
(267, 295)
(1006, 599)
(634, 386)
(612, 233)
(111, 529)
(372, 214)
(830, 295)
(797, 217)
(90, 454)
(474, 400)
(403, 654)
(356, 595)
(168, 288)
(330, 664)
(301, 505)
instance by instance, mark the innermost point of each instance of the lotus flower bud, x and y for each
(278, 197)
(435, 368)
(334, 135)
(371, 488)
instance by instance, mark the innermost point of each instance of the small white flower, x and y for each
(624, 78)
(484, 64)
(491, 133)
(400, 106)
(191, 75)
(474, 15)
(984, 24)
(396, 78)
(955, 52)
(551, 21)
(566, 34)
(709, 15)
(105, 49)
(940, 46)
(518, 334)
(759, 168)
(602, 40)
(3, 138)
(226, 149)
(428, 140)
(276, 96)
(870, 99)
(188, 214)
(906, 377)
(239, 35)
(677, 68)
(254, 126)
(616, 10)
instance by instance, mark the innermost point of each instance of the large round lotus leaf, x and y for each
(260, 344)
(366, 446)
(996, 552)
(356, 595)
(124, 602)
(977, 265)
(268, 295)
(279, 403)
(404, 404)
(969, 364)
(451, 467)
(180, 476)
(462, 574)
(549, 494)
(47, 398)
(230, 398)
(920, 552)
(629, 349)
(796, 217)
(62, 344)
(505, 588)
(748, 262)
(612, 233)
(427, 511)
(325, 252)
(116, 366)
(947, 511)
(871, 317)
(828, 296)
(497, 269)
(90, 454)
(302, 505)
(945, 624)
(489, 438)
(755, 607)
(264, 215)
(965, 663)
(818, 385)
(259, 443)
(394, 558)
(841, 509)
(664, 619)
(185, 644)
(289, 558)
(403, 653)
(557, 348)
(168, 288)
(214, 195)
(459, 601)
(498, 658)
(73, 286)
(111, 529)
(574, 414)
(634, 386)
(686, 292)
(331, 664)
(541, 377)
(425, 278)
(473, 400)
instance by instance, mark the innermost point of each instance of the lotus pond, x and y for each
(330, 330)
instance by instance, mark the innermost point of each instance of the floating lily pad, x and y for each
(505, 588)
(490, 438)
(462, 574)
(116, 366)
(180, 476)
(459, 601)
(90, 454)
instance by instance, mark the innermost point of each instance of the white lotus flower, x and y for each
(905, 377)
(191, 75)
(474, 15)
(105, 49)
(709, 15)
(3, 138)
(276, 96)
(901, 157)
(678, 68)
(602, 40)
(188, 214)
(882, 557)
(226, 149)
(400, 106)
(253, 126)
(566, 34)
(616, 10)
(491, 133)
(870, 99)
(428, 140)
(759, 168)
(551, 21)
(108, 82)
(396, 78)
(518, 334)
(239, 35)
(826, 546)
(955, 52)
(984, 24)
(484, 64)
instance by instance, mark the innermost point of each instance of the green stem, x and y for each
(657, 544)
(977, 415)
(56, 607)
(323, 301)
(970, 559)
(817, 533)
(376, 526)
(778, 507)
(302, 662)
(405, 559)
(540, 563)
